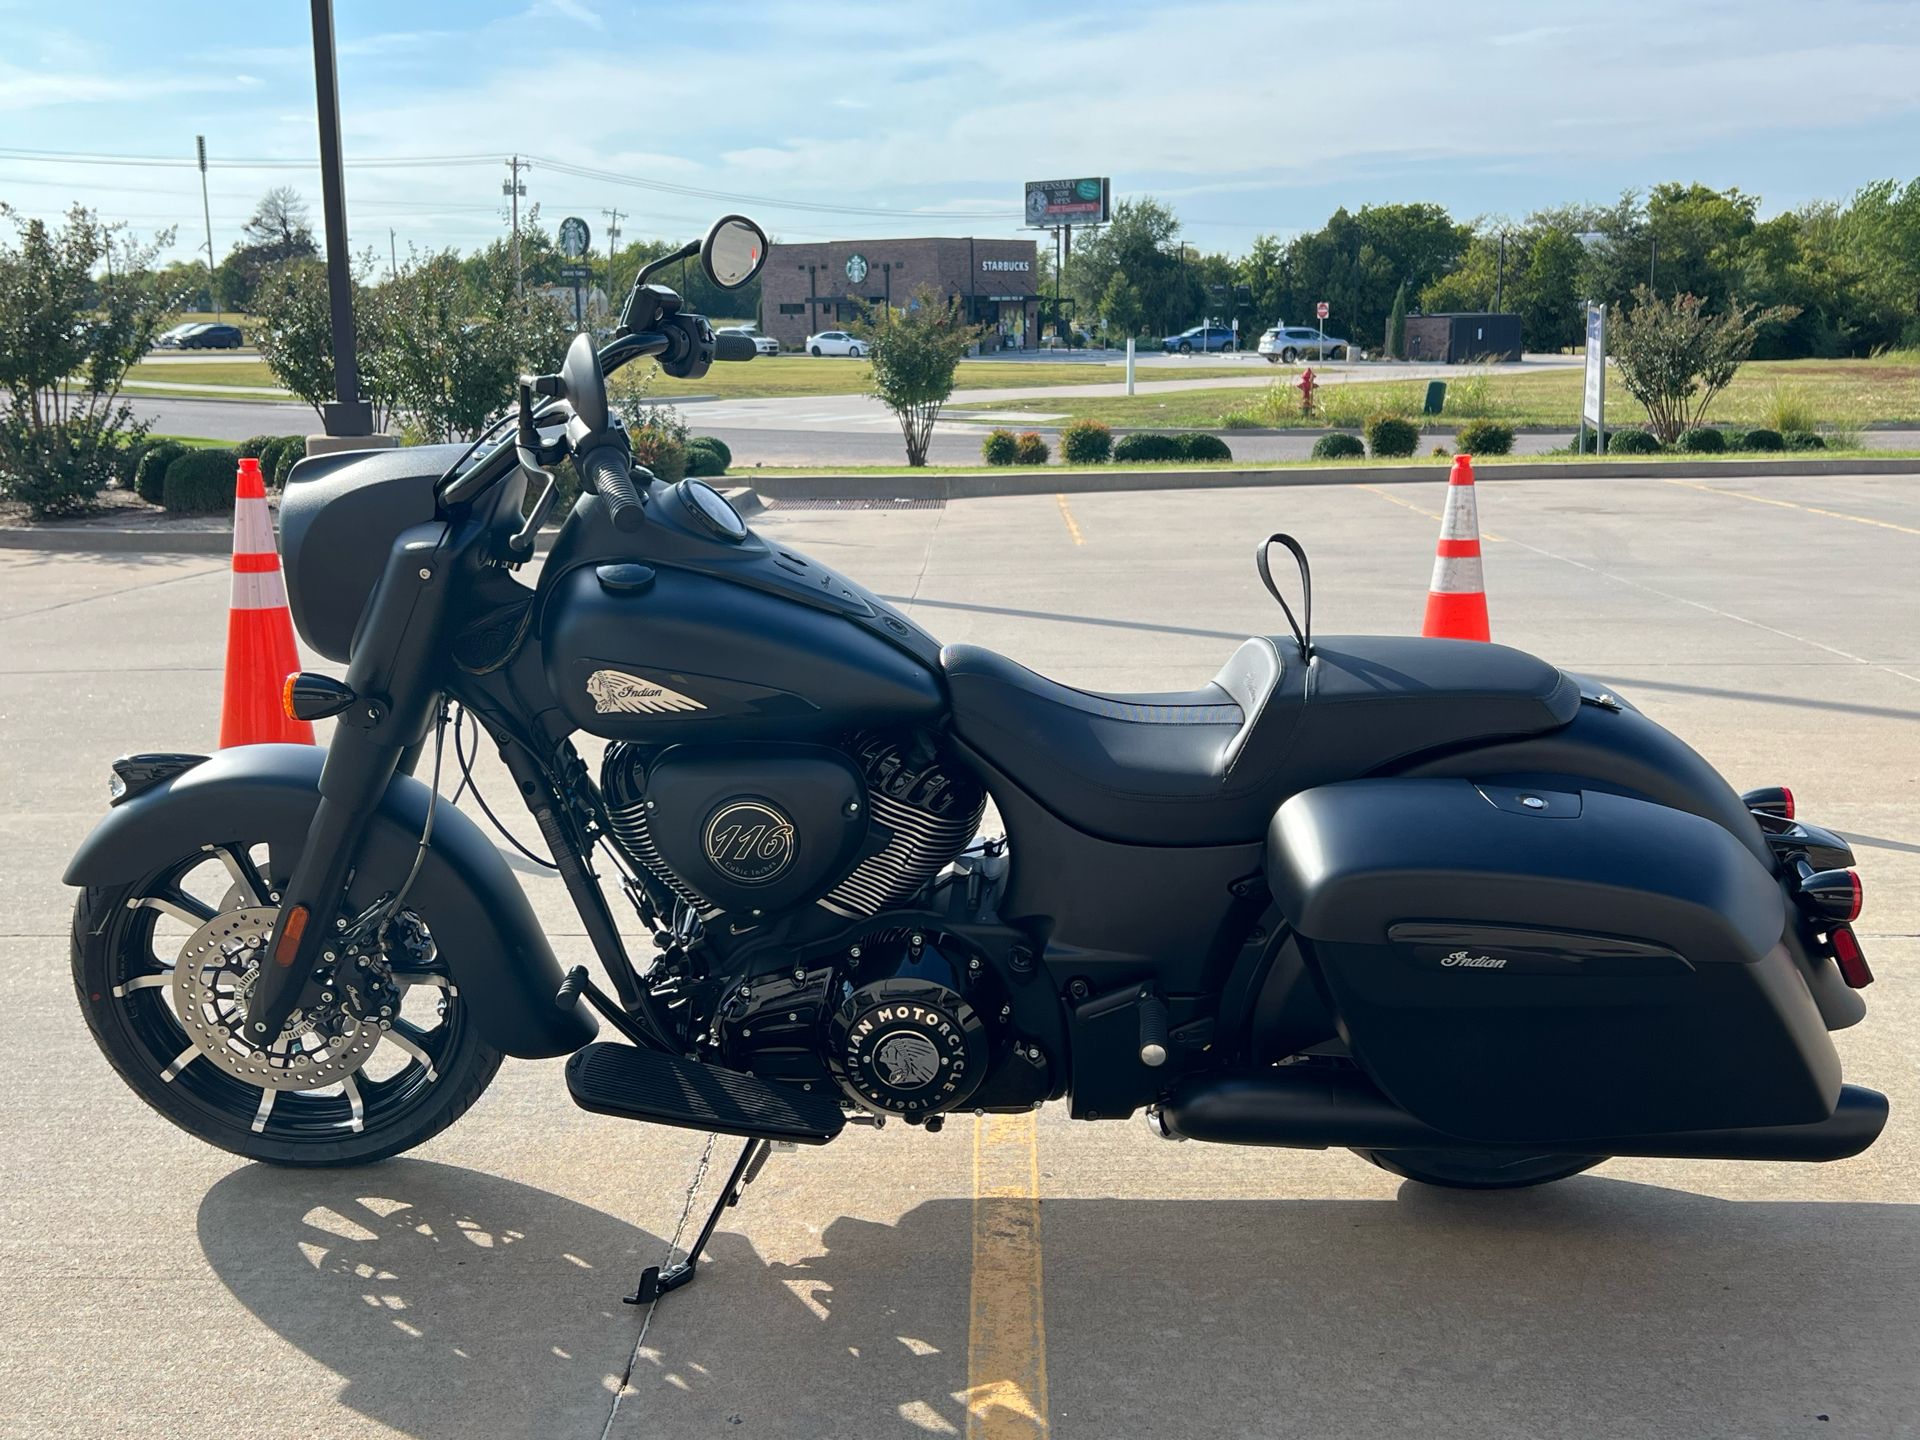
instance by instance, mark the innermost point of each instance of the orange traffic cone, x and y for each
(261, 652)
(1457, 598)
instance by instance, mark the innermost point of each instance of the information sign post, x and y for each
(1593, 404)
(1321, 311)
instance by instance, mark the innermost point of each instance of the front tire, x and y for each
(1185, 348)
(127, 941)
(1479, 1169)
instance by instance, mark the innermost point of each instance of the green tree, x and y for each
(77, 308)
(294, 333)
(913, 356)
(1674, 357)
(1141, 243)
(1397, 324)
(278, 231)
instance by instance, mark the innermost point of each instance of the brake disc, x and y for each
(212, 982)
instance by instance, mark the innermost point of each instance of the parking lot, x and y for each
(150, 1285)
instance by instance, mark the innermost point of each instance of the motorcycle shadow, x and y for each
(452, 1302)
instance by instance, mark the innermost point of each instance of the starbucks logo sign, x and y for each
(856, 268)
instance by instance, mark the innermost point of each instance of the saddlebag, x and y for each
(1516, 965)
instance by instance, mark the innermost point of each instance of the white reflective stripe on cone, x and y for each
(252, 528)
(1452, 575)
(259, 590)
(1461, 520)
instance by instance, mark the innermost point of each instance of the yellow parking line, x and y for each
(1073, 527)
(1790, 505)
(1430, 514)
(1006, 1394)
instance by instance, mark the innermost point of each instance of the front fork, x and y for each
(395, 676)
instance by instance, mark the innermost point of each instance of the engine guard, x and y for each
(485, 929)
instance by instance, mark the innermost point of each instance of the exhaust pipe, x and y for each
(1313, 1108)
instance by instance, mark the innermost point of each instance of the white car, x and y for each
(762, 344)
(835, 342)
(1285, 344)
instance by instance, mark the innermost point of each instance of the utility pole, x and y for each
(393, 254)
(613, 243)
(206, 212)
(1500, 276)
(513, 189)
(348, 414)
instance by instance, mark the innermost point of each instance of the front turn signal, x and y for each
(307, 696)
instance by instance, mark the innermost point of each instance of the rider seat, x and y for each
(1210, 766)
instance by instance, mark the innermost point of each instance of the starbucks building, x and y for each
(809, 288)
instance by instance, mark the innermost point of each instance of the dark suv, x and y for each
(213, 337)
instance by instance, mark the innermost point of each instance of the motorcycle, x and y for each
(1434, 901)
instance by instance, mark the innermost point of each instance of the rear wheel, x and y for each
(1479, 1169)
(1289, 355)
(816, 350)
(163, 968)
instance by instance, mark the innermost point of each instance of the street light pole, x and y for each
(613, 243)
(206, 212)
(348, 414)
(513, 189)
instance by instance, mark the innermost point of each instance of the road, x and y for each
(150, 1286)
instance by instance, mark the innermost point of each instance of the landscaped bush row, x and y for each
(1707, 440)
(1088, 442)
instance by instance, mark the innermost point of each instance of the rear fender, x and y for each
(486, 931)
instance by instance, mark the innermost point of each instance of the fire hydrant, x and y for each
(1306, 384)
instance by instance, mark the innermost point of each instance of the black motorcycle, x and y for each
(1435, 901)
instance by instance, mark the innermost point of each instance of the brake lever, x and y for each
(520, 543)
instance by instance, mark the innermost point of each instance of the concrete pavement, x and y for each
(150, 1286)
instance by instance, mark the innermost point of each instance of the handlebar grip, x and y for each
(606, 471)
(734, 347)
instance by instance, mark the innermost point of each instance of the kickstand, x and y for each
(655, 1280)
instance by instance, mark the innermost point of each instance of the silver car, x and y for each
(762, 344)
(1285, 344)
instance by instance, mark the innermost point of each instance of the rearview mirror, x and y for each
(733, 252)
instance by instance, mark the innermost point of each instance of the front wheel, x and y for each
(164, 966)
(1185, 348)
(854, 352)
(1479, 1169)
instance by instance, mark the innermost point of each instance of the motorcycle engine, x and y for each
(761, 829)
(898, 1017)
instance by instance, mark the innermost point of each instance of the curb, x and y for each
(907, 486)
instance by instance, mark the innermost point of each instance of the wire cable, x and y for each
(467, 783)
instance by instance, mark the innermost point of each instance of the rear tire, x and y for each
(398, 1098)
(1289, 355)
(816, 351)
(1479, 1169)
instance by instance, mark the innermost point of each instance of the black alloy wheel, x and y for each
(395, 1058)
(1479, 1169)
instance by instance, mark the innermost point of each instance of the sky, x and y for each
(854, 120)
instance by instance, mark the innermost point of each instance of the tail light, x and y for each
(1770, 800)
(1849, 957)
(1832, 895)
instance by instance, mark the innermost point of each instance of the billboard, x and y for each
(1069, 202)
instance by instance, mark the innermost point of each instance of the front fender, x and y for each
(485, 929)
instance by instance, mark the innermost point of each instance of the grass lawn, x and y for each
(1841, 393)
(171, 371)
(775, 375)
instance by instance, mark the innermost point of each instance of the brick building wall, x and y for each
(828, 285)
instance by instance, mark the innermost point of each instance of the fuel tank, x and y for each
(680, 632)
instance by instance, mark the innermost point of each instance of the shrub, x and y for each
(255, 446)
(1086, 442)
(1803, 440)
(288, 456)
(1703, 440)
(1147, 447)
(1633, 442)
(1440, 452)
(707, 456)
(1390, 437)
(1201, 446)
(998, 447)
(149, 479)
(1787, 408)
(201, 481)
(665, 456)
(1338, 446)
(1485, 437)
(1030, 449)
(718, 446)
(1762, 439)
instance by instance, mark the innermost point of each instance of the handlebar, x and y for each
(734, 347)
(606, 472)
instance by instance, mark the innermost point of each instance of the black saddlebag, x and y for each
(1514, 964)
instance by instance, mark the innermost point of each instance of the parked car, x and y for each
(1285, 344)
(762, 344)
(1200, 337)
(213, 337)
(835, 342)
(170, 339)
